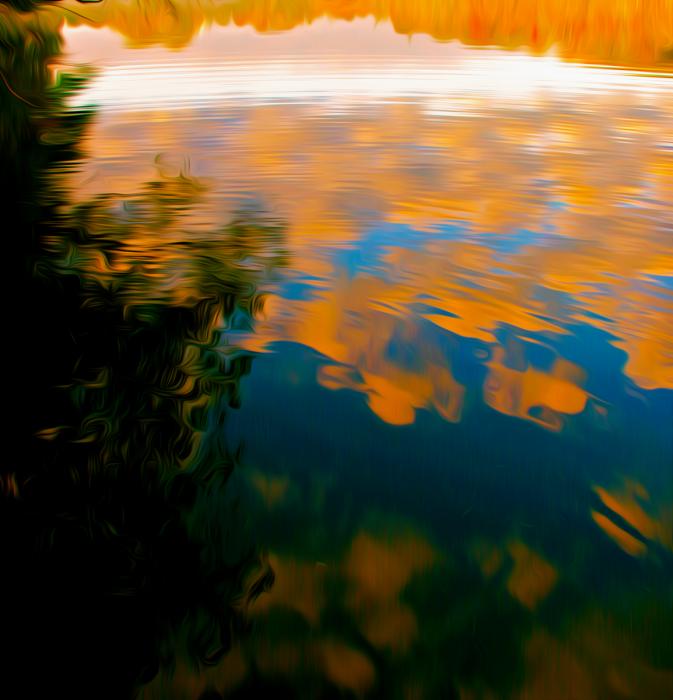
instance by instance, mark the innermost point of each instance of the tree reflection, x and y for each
(627, 33)
(119, 545)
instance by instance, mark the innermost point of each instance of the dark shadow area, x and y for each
(118, 549)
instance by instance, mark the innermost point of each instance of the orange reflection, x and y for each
(347, 667)
(532, 577)
(273, 490)
(627, 542)
(631, 502)
(594, 661)
(379, 570)
(532, 217)
(298, 585)
(393, 393)
(589, 30)
(519, 392)
(365, 585)
(489, 557)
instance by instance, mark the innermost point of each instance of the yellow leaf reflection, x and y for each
(631, 502)
(532, 577)
(272, 489)
(298, 585)
(488, 556)
(375, 570)
(347, 667)
(590, 30)
(393, 627)
(594, 661)
(379, 570)
(627, 542)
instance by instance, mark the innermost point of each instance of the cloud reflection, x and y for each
(410, 224)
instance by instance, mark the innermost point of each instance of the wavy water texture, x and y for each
(505, 229)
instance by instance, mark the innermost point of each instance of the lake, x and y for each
(349, 351)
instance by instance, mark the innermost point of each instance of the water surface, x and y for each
(401, 311)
